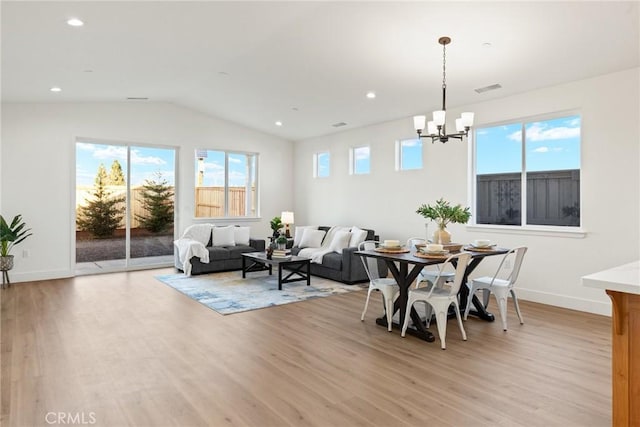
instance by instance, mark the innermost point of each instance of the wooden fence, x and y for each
(553, 198)
(210, 202)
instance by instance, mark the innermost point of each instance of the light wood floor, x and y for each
(124, 349)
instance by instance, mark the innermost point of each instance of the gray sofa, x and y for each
(346, 267)
(222, 258)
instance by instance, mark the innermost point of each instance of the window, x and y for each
(360, 160)
(226, 184)
(409, 154)
(536, 161)
(321, 165)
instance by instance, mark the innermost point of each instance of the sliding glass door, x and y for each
(124, 206)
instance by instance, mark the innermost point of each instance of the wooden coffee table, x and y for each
(298, 268)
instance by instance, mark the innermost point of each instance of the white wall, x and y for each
(386, 200)
(38, 170)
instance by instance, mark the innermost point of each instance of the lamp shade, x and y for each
(418, 122)
(287, 217)
(432, 129)
(467, 119)
(439, 117)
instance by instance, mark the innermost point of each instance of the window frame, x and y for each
(316, 164)
(524, 228)
(253, 175)
(400, 157)
(353, 158)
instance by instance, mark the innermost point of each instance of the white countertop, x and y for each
(624, 278)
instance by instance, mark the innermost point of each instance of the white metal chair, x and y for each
(501, 288)
(440, 298)
(428, 274)
(388, 286)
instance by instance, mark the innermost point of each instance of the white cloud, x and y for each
(137, 159)
(515, 136)
(235, 160)
(541, 150)
(537, 132)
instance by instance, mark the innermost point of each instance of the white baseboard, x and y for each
(39, 275)
(573, 303)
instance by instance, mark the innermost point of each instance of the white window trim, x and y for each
(352, 160)
(577, 232)
(245, 218)
(316, 159)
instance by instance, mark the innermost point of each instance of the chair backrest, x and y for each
(370, 263)
(517, 263)
(413, 241)
(461, 259)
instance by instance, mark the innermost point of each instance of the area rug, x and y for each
(229, 293)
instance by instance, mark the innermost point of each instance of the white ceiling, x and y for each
(308, 64)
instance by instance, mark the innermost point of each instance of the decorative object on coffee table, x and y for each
(10, 235)
(444, 213)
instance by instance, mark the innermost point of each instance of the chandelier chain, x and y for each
(444, 65)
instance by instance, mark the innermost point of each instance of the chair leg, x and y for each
(469, 300)
(441, 322)
(407, 317)
(388, 302)
(515, 303)
(428, 311)
(457, 308)
(366, 304)
(485, 297)
(501, 298)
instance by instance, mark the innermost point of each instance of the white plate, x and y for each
(391, 247)
(482, 247)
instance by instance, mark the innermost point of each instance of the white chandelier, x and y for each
(437, 129)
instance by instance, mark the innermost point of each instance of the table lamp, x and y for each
(287, 219)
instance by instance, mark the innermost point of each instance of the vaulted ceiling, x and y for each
(307, 64)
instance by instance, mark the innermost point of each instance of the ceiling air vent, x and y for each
(339, 124)
(137, 98)
(488, 88)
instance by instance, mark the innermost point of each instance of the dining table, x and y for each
(406, 264)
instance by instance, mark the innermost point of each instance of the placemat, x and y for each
(392, 251)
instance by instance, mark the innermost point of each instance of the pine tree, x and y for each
(116, 177)
(157, 200)
(102, 215)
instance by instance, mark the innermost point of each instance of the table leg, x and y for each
(244, 267)
(279, 276)
(480, 310)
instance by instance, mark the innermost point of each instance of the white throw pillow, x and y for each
(299, 231)
(223, 236)
(312, 238)
(241, 235)
(340, 241)
(358, 236)
(198, 232)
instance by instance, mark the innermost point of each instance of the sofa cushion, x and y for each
(237, 250)
(299, 231)
(241, 235)
(312, 238)
(358, 236)
(218, 253)
(332, 260)
(340, 241)
(223, 236)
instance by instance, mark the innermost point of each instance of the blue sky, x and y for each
(549, 145)
(145, 162)
(411, 153)
(213, 165)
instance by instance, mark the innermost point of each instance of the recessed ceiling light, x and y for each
(278, 123)
(55, 89)
(371, 95)
(75, 22)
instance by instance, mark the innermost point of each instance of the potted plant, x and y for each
(10, 235)
(276, 225)
(281, 241)
(444, 213)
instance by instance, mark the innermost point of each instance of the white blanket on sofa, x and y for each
(317, 254)
(188, 248)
